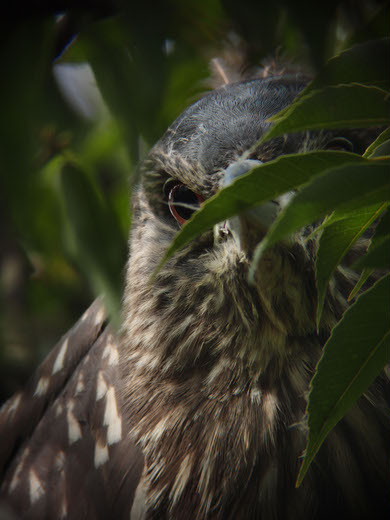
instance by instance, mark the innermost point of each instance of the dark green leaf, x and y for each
(382, 229)
(261, 184)
(380, 234)
(346, 188)
(94, 238)
(376, 258)
(382, 138)
(382, 150)
(335, 242)
(341, 106)
(366, 63)
(366, 273)
(354, 355)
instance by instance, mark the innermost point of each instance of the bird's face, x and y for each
(201, 307)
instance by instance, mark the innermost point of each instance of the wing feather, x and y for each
(65, 449)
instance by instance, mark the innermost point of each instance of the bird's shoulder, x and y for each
(65, 449)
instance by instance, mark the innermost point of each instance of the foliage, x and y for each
(66, 161)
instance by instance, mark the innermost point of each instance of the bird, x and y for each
(196, 408)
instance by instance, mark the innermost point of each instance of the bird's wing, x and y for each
(65, 451)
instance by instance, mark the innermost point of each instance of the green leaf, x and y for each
(354, 355)
(335, 242)
(107, 51)
(382, 229)
(93, 236)
(336, 216)
(346, 188)
(375, 25)
(377, 258)
(365, 63)
(382, 150)
(382, 138)
(381, 233)
(257, 186)
(340, 106)
(366, 273)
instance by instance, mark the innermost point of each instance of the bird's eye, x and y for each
(182, 202)
(341, 144)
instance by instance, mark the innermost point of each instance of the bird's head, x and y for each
(201, 307)
(215, 370)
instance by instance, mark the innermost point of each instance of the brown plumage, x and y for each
(197, 409)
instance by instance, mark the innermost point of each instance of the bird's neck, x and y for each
(207, 427)
(215, 380)
(206, 439)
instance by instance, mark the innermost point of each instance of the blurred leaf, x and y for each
(106, 49)
(363, 64)
(340, 106)
(373, 26)
(93, 236)
(314, 25)
(258, 24)
(138, 65)
(257, 186)
(335, 242)
(346, 188)
(182, 86)
(353, 357)
(24, 57)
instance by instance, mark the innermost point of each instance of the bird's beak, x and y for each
(251, 225)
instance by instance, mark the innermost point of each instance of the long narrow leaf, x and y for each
(340, 106)
(382, 138)
(365, 275)
(377, 258)
(347, 188)
(335, 242)
(259, 185)
(94, 239)
(354, 355)
(380, 234)
(364, 63)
